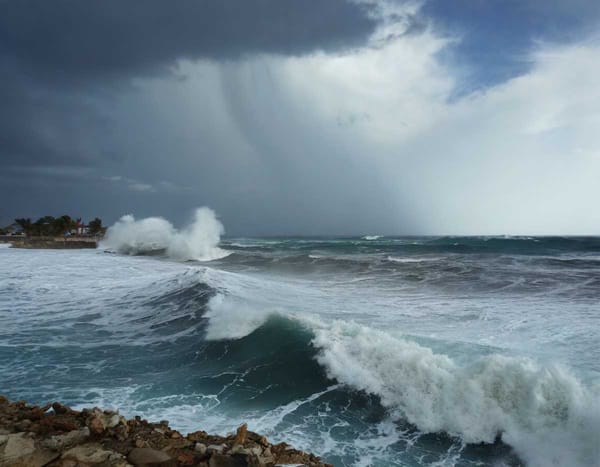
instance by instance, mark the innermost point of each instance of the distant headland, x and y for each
(49, 232)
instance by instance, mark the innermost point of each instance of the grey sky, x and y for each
(285, 117)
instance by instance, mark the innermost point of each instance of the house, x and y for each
(14, 229)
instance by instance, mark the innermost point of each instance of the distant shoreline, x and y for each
(50, 242)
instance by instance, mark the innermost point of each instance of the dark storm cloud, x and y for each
(62, 61)
(76, 39)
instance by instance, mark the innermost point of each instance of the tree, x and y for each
(95, 226)
(25, 224)
(63, 224)
(44, 226)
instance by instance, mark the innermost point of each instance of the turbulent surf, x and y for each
(445, 351)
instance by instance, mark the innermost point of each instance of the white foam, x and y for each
(198, 241)
(231, 318)
(407, 259)
(543, 412)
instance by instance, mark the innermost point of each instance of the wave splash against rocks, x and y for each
(57, 436)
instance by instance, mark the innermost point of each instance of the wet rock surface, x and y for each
(57, 436)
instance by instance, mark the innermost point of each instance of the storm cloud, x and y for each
(295, 117)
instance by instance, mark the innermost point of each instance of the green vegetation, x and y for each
(53, 226)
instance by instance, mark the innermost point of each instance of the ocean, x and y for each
(367, 351)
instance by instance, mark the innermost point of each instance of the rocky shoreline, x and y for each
(57, 436)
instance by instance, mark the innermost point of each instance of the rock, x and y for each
(22, 425)
(220, 460)
(92, 453)
(149, 457)
(256, 450)
(96, 425)
(17, 445)
(218, 448)
(240, 437)
(60, 409)
(59, 442)
(58, 423)
(200, 447)
(20, 450)
(97, 438)
(186, 458)
(99, 421)
(239, 449)
(197, 436)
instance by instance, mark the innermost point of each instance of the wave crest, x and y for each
(198, 241)
(543, 412)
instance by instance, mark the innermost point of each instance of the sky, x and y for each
(297, 117)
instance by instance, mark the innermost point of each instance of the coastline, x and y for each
(49, 242)
(55, 435)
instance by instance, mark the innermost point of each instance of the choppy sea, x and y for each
(383, 351)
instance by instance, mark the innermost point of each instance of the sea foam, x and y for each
(197, 241)
(544, 413)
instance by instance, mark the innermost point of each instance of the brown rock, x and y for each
(200, 447)
(60, 409)
(240, 437)
(149, 457)
(96, 425)
(92, 453)
(36, 413)
(221, 460)
(197, 436)
(59, 442)
(186, 458)
(54, 423)
(18, 446)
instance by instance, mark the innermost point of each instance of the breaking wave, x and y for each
(197, 241)
(543, 412)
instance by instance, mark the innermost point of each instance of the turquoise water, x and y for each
(368, 351)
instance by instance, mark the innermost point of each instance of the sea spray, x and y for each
(545, 413)
(197, 241)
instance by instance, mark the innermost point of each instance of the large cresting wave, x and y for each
(545, 413)
(197, 241)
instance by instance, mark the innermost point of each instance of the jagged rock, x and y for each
(216, 448)
(99, 421)
(17, 445)
(59, 442)
(63, 437)
(20, 450)
(240, 437)
(96, 425)
(239, 449)
(22, 425)
(149, 457)
(197, 436)
(200, 447)
(92, 453)
(186, 458)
